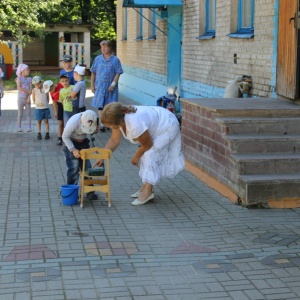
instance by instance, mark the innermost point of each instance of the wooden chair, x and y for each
(95, 183)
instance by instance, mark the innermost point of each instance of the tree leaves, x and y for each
(33, 15)
(15, 14)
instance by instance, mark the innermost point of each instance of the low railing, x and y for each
(76, 50)
(17, 52)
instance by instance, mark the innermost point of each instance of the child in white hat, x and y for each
(78, 92)
(75, 139)
(41, 111)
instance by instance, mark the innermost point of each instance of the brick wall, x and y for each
(211, 62)
(149, 55)
(207, 65)
(204, 143)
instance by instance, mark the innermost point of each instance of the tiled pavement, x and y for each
(190, 243)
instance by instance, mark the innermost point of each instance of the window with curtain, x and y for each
(139, 36)
(245, 20)
(207, 20)
(246, 16)
(152, 28)
(125, 22)
(211, 17)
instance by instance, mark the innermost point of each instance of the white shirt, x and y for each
(73, 130)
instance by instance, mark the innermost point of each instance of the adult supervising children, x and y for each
(105, 72)
(157, 131)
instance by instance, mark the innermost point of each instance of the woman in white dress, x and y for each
(157, 131)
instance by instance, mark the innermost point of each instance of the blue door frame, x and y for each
(174, 42)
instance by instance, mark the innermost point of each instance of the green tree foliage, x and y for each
(25, 13)
(101, 14)
(33, 15)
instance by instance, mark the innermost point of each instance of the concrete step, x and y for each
(247, 143)
(246, 125)
(267, 163)
(251, 145)
(247, 107)
(266, 188)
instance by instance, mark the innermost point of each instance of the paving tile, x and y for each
(189, 243)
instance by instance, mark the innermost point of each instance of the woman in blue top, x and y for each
(105, 72)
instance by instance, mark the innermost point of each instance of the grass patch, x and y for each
(11, 83)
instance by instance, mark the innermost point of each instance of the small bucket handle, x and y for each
(74, 190)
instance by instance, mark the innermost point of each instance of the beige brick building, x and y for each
(247, 149)
(208, 61)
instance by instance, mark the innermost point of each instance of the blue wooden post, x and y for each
(174, 48)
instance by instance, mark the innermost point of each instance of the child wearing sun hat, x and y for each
(78, 92)
(41, 111)
(24, 92)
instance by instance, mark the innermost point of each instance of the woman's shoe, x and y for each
(39, 136)
(102, 128)
(137, 202)
(135, 195)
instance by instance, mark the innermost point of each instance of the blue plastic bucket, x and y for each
(69, 194)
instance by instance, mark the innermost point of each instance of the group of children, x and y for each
(68, 96)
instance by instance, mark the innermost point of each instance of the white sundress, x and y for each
(165, 158)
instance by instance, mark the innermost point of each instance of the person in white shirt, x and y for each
(157, 131)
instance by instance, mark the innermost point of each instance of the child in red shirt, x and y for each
(54, 89)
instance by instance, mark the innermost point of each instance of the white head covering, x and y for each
(88, 121)
(20, 69)
(47, 85)
(36, 79)
(80, 70)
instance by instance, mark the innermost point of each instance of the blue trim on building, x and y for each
(241, 27)
(193, 89)
(209, 30)
(125, 25)
(174, 48)
(151, 3)
(238, 35)
(139, 88)
(206, 37)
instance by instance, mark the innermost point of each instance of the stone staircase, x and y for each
(255, 150)
(266, 157)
